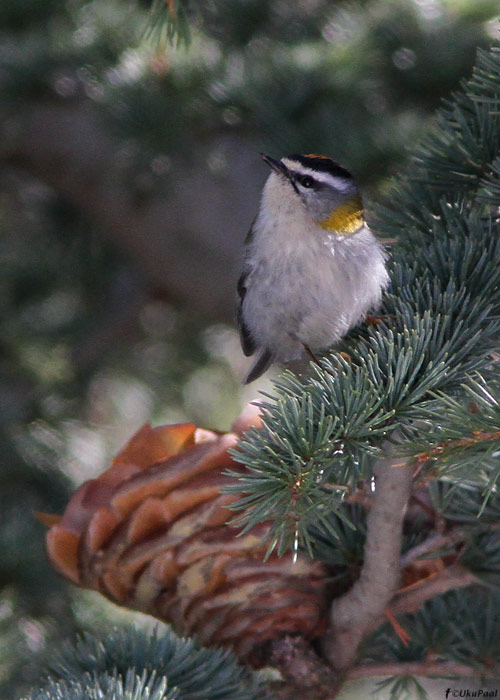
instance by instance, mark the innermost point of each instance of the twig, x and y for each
(442, 541)
(452, 577)
(416, 668)
(477, 436)
(432, 544)
(361, 609)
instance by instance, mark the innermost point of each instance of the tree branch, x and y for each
(360, 610)
(442, 541)
(452, 577)
(416, 668)
(432, 544)
(305, 675)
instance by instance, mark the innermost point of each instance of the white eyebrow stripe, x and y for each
(326, 178)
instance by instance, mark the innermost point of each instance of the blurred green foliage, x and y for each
(355, 80)
(84, 358)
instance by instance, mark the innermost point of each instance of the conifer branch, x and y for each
(433, 544)
(463, 436)
(169, 22)
(361, 608)
(442, 669)
(305, 674)
(448, 447)
(450, 578)
(445, 541)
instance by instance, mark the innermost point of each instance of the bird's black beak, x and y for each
(275, 165)
(281, 169)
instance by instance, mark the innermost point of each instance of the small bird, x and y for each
(312, 268)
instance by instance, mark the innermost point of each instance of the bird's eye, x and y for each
(306, 181)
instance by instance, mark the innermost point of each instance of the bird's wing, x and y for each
(247, 343)
(262, 361)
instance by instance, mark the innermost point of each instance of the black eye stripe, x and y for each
(306, 181)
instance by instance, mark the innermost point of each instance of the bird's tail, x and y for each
(262, 361)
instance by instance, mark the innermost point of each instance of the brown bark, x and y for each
(415, 668)
(304, 674)
(432, 544)
(360, 610)
(451, 578)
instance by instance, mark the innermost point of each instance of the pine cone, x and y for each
(152, 534)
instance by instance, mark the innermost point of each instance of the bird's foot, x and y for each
(374, 319)
(346, 356)
(311, 354)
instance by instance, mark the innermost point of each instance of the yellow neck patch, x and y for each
(346, 219)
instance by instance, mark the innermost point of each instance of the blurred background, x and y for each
(129, 175)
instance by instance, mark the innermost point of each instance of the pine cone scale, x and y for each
(155, 536)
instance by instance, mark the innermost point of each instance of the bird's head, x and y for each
(317, 184)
